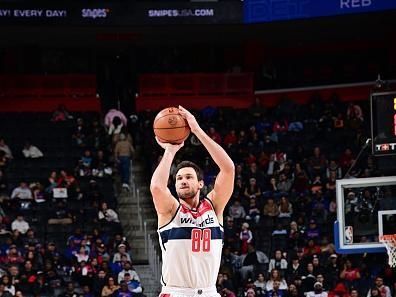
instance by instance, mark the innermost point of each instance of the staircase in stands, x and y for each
(134, 227)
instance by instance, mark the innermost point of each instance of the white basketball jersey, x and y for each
(191, 245)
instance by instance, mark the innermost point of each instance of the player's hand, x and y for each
(192, 122)
(169, 146)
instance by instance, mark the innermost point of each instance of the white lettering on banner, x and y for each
(385, 147)
(55, 13)
(354, 3)
(28, 13)
(94, 13)
(5, 12)
(180, 12)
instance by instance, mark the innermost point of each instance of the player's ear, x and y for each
(200, 184)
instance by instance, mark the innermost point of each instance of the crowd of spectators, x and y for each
(61, 236)
(278, 225)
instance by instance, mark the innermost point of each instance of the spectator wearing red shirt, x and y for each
(214, 135)
(350, 274)
(230, 139)
(346, 160)
(311, 248)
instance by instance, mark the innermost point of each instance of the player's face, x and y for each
(187, 184)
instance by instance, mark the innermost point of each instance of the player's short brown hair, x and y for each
(184, 164)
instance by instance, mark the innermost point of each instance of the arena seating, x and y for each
(282, 141)
(55, 140)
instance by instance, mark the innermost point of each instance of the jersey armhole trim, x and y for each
(211, 203)
(171, 220)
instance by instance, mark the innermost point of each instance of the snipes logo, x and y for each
(94, 13)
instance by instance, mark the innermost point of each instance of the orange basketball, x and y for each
(169, 126)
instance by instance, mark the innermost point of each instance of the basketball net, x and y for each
(390, 243)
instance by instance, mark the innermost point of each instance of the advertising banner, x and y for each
(121, 13)
(258, 11)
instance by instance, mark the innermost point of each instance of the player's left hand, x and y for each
(190, 118)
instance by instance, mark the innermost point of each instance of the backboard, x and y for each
(366, 208)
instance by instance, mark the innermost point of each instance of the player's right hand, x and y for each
(169, 146)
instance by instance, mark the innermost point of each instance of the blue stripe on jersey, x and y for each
(185, 233)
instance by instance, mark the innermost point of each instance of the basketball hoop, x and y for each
(390, 243)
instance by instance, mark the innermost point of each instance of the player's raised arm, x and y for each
(225, 179)
(164, 201)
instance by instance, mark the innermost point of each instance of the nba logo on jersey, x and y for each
(348, 234)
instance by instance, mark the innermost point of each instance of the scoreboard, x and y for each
(383, 123)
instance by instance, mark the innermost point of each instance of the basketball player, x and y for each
(190, 229)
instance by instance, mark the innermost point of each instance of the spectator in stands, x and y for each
(225, 292)
(3, 183)
(252, 190)
(3, 160)
(22, 192)
(285, 208)
(250, 261)
(133, 284)
(214, 135)
(70, 291)
(38, 192)
(52, 182)
(276, 291)
(350, 274)
(107, 214)
(294, 269)
(276, 280)
(246, 237)
(6, 149)
(20, 224)
(68, 181)
(230, 139)
(318, 291)
(271, 209)
(278, 263)
(31, 152)
(127, 268)
(60, 215)
(253, 212)
(236, 211)
(4, 292)
(14, 258)
(309, 278)
(312, 231)
(259, 283)
(8, 286)
(110, 288)
(231, 235)
(354, 111)
(339, 290)
(383, 290)
(111, 115)
(101, 166)
(317, 163)
(123, 291)
(121, 252)
(82, 255)
(84, 167)
(284, 185)
(61, 114)
(124, 152)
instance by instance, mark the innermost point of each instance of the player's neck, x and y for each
(191, 203)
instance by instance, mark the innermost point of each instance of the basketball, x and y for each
(170, 127)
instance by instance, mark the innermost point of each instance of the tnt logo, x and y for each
(384, 147)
